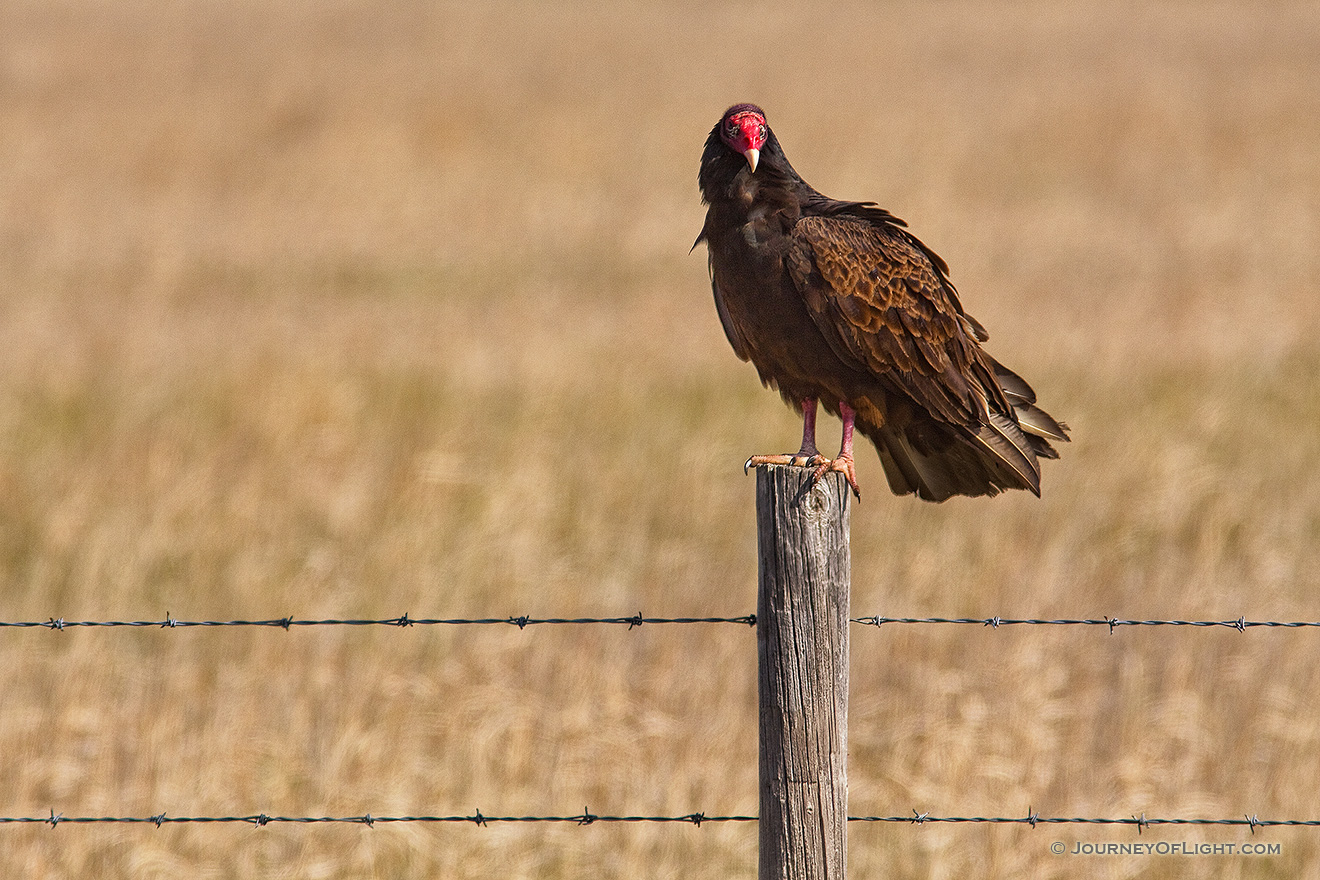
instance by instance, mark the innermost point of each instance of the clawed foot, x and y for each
(797, 459)
(843, 465)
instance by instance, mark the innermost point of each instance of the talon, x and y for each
(843, 465)
(788, 459)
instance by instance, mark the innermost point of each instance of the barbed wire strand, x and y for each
(1240, 624)
(586, 817)
(521, 621)
(635, 621)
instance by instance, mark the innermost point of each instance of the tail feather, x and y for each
(932, 476)
(1031, 418)
(935, 460)
(900, 463)
(1035, 420)
(922, 462)
(1014, 385)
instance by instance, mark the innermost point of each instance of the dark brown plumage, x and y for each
(837, 302)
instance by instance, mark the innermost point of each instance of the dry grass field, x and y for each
(355, 309)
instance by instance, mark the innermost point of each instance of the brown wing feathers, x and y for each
(882, 304)
(869, 298)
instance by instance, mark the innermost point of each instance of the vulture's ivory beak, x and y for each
(753, 156)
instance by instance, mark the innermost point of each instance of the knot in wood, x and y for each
(818, 502)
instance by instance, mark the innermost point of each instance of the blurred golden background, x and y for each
(355, 309)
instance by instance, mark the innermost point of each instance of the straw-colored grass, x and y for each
(356, 309)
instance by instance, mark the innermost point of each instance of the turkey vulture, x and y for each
(837, 302)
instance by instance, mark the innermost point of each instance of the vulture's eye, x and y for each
(760, 129)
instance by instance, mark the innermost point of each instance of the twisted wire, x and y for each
(635, 621)
(586, 817)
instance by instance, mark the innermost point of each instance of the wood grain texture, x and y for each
(802, 645)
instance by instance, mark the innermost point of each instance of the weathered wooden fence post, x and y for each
(802, 647)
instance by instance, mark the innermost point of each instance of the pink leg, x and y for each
(808, 449)
(807, 456)
(849, 417)
(843, 463)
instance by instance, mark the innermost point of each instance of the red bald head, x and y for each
(744, 131)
